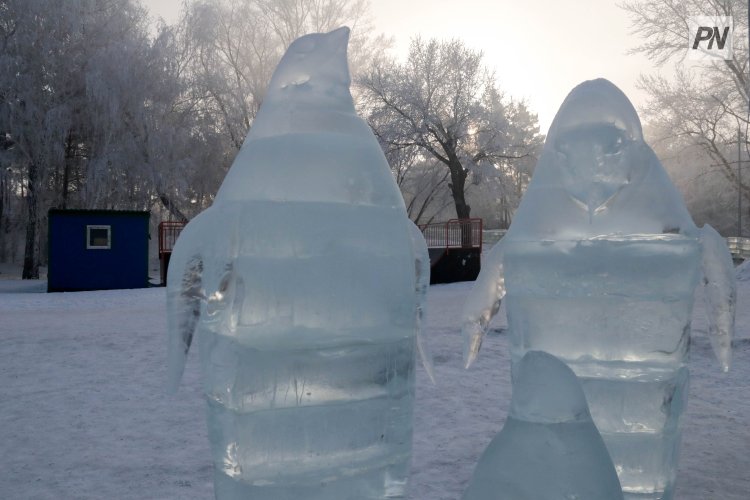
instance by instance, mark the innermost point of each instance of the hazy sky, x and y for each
(539, 49)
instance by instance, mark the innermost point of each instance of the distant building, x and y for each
(97, 250)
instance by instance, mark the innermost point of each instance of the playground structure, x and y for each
(169, 231)
(455, 249)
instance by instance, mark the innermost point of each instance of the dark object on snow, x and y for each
(169, 231)
(97, 250)
(455, 249)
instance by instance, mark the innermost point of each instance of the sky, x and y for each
(539, 49)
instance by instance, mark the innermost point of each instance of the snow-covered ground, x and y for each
(83, 414)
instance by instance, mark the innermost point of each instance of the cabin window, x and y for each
(98, 237)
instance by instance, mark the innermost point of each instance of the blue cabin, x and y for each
(97, 250)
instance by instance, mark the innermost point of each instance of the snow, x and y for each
(83, 413)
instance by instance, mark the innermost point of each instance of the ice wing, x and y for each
(483, 303)
(720, 293)
(422, 270)
(184, 296)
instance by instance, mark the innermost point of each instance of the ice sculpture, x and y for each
(600, 264)
(304, 284)
(549, 447)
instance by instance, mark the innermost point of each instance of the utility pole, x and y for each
(739, 182)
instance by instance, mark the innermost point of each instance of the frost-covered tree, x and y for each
(236, 44)
(705, 104)
(424, 186)
(148, 137)
(445, 103)
(96, 111)
(100, 108)
(710, 197)
(41, 49)
(422, 180)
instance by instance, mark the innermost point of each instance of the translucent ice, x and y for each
(304, 285)
(549, 448)
(599, 266)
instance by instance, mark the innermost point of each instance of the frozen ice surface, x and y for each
(422, 264)
(599, 268)
(742, 272)
(596, 175)
(549, 448)
(304, 285)
(721, 293)
(546, 391)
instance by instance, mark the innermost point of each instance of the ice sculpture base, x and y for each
(281, 427)
(377, 484)
(656, 495)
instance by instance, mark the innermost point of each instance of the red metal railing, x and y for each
(169, 231)
(456, 233)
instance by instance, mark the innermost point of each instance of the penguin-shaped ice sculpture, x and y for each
(303, 285)
(599, 265)
(549, 448)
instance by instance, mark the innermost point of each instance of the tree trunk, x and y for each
(171, 207)
(69, 155)
(3, 224)
(2, 197)
(31, 256)
(457, 185)
(463, 210)
(66, 176)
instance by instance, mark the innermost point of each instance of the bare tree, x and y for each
(705, 104)
(445, 103)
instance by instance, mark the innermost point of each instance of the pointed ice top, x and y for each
(309, 90)
(313, 56)
(545, 390)
(314, 67)
(307, 143)
(597, 103)
(597, 176)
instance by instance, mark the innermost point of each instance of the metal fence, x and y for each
(456, 233)
(169, 231)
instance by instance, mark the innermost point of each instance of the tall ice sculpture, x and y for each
(304, 284)
(599, 266)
